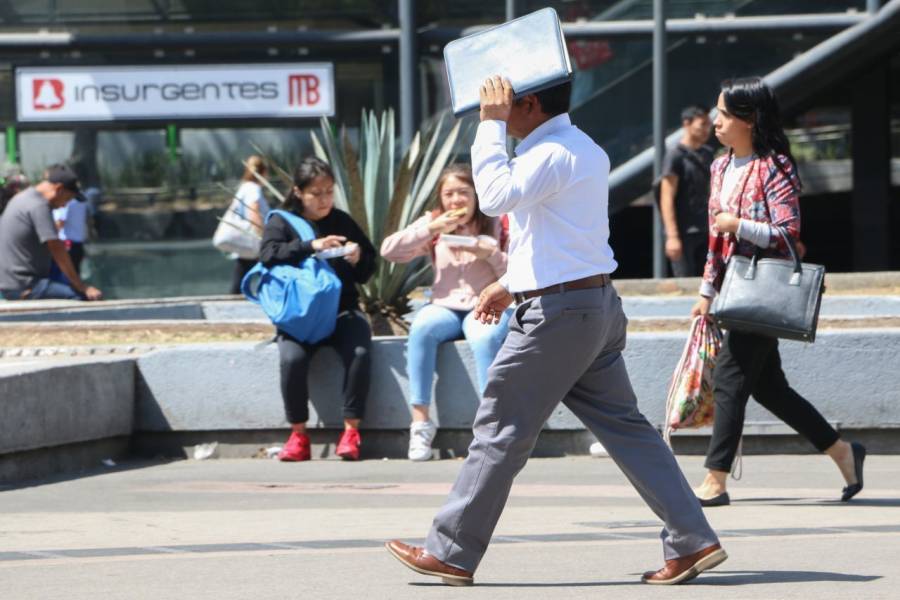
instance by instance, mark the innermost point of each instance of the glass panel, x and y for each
(474, 12)
(7, 101)
(157, 269)
(328, 14)
(105, 9)
(620, 81)
(615, 10)
(132, 158)
(41, 148)
(212, 158)
(895, 115)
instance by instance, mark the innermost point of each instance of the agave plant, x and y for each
(384, 195)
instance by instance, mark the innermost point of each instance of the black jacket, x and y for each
(282, 246)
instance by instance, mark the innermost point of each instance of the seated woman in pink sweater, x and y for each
(460, 273)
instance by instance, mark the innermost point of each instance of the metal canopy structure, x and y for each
(38, 41)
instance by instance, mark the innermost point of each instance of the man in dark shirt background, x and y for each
(684, 194)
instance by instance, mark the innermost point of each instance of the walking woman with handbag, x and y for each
(754, 197)
(352, 257)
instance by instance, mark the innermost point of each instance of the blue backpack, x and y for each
(300, 300)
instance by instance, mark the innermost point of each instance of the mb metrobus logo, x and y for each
(47, 94)
(303, 90)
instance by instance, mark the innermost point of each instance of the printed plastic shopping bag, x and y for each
(690, 400)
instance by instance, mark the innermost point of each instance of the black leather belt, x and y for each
(585, 283)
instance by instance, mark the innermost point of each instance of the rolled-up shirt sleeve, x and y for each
(707, 289)
(501, 183)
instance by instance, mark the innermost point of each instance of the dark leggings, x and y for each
(241, 266)
(750, 364)
(352, 338)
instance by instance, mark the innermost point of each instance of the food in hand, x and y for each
(457, 212)
(337, 252)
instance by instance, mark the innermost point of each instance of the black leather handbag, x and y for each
(771, 296)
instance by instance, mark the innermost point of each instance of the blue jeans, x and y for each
(436, 324)
(45, 289)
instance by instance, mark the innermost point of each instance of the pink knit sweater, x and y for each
(459, 276)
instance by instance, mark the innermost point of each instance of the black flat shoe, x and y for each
(859, 456)
(720, 500)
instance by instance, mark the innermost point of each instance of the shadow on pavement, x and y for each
(757, 577)
(499, 584)
(711, 578)
(880, 502)
(128, 464)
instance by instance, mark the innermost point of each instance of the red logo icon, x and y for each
(303, 90)
(47, 94)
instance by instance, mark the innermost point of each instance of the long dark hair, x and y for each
(306, 171)
(750, 99)
(483, 223)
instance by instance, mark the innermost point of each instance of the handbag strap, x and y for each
(792, 248)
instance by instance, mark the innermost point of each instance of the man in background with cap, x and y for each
(29, 242)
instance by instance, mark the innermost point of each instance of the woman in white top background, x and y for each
(251, 205)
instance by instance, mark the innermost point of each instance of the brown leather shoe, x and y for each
(685, 568)
(420, 561)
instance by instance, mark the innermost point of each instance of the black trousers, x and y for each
(241, 266)
(750, 364)
(694, 247)
(352, 338)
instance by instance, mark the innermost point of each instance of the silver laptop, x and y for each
(530, 51)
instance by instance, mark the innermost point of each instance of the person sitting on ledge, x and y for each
(29, 242)
(312, 198)
(460, 274)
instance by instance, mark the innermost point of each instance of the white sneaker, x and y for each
(598, 451)
(421, 434)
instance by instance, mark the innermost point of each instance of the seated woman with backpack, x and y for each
(460, 273)
(312, 198)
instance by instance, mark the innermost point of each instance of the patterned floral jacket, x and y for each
(766, 194)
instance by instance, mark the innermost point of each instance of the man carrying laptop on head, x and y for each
(564, 344)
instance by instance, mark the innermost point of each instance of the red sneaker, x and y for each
(348, 445)
(296, 449)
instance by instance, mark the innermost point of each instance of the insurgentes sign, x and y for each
(174, 92)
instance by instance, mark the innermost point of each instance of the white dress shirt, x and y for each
(556, 190)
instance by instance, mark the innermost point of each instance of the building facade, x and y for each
(163, 175)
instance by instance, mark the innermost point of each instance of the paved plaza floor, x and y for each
(573, 528)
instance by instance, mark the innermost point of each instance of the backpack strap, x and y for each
(300, 225)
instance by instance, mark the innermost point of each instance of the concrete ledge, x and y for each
(235, 386)
(53, 405)
(832, 306)
(53, 411)
(845, 374)
(230, 309)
